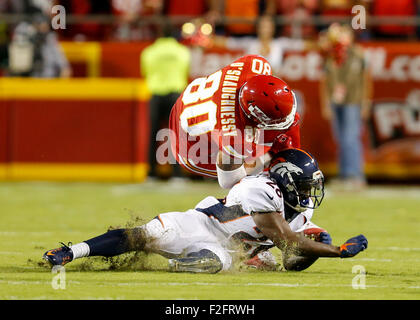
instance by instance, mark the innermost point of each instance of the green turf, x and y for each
(36, 216)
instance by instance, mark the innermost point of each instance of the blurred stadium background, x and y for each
(83, 116)
(89, 121)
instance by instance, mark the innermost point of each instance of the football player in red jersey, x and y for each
(226, 125)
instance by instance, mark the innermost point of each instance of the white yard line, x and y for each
(24, 233)
(206, 284)
(11, 252)
(396, 249)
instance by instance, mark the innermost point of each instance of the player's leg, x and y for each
(153, 237)
(187, 239)
(109, 244)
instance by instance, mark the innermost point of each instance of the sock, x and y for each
(80, 250)
(111, 243)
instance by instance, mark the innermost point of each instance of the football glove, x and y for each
(353, 246)
(325, 237)
(282, 142)
(318, 235)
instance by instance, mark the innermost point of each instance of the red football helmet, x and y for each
(269, 102)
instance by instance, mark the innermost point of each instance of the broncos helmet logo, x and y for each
(284, 167)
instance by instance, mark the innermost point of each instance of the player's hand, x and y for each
(318, 235)
(353, 246)
(325, 237)
(282, 142)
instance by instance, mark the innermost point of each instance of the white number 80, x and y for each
(205, 88)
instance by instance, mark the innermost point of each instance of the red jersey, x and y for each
(207, 118)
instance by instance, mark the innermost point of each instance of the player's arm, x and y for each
(292, 262)
(299, 263)
(295, 262)
(275, 227)
(230, 170)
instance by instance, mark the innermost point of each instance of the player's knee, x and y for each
(135, 239)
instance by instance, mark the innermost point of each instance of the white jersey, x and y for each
(233, 218)
(234, 214)
(219, 225)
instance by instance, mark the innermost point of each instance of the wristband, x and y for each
(227, 179)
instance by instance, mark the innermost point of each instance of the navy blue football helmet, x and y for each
(298, 176)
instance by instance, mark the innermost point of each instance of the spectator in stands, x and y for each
(165, 65)
(129, 12)
(336, 7)
(265, 44)
(27, 7)
(243, 9)
(345, 94)
(35, 51)
(18, 7)
(339, 8)
(418, 16)
(86, 31)
(182, 8)
(299, 13)
(394, 8)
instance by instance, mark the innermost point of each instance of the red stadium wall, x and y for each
(73, 129)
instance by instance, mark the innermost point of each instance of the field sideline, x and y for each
(36, 216)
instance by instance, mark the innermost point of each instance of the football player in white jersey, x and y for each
(260, 212)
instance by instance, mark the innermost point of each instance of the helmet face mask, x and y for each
(268, 102)
(263, 122)
(298, 176)
(310, 193)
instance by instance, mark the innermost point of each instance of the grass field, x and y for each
(36, 216)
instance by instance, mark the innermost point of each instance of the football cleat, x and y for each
(195, 265)
(59, 256)
(203, 261)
